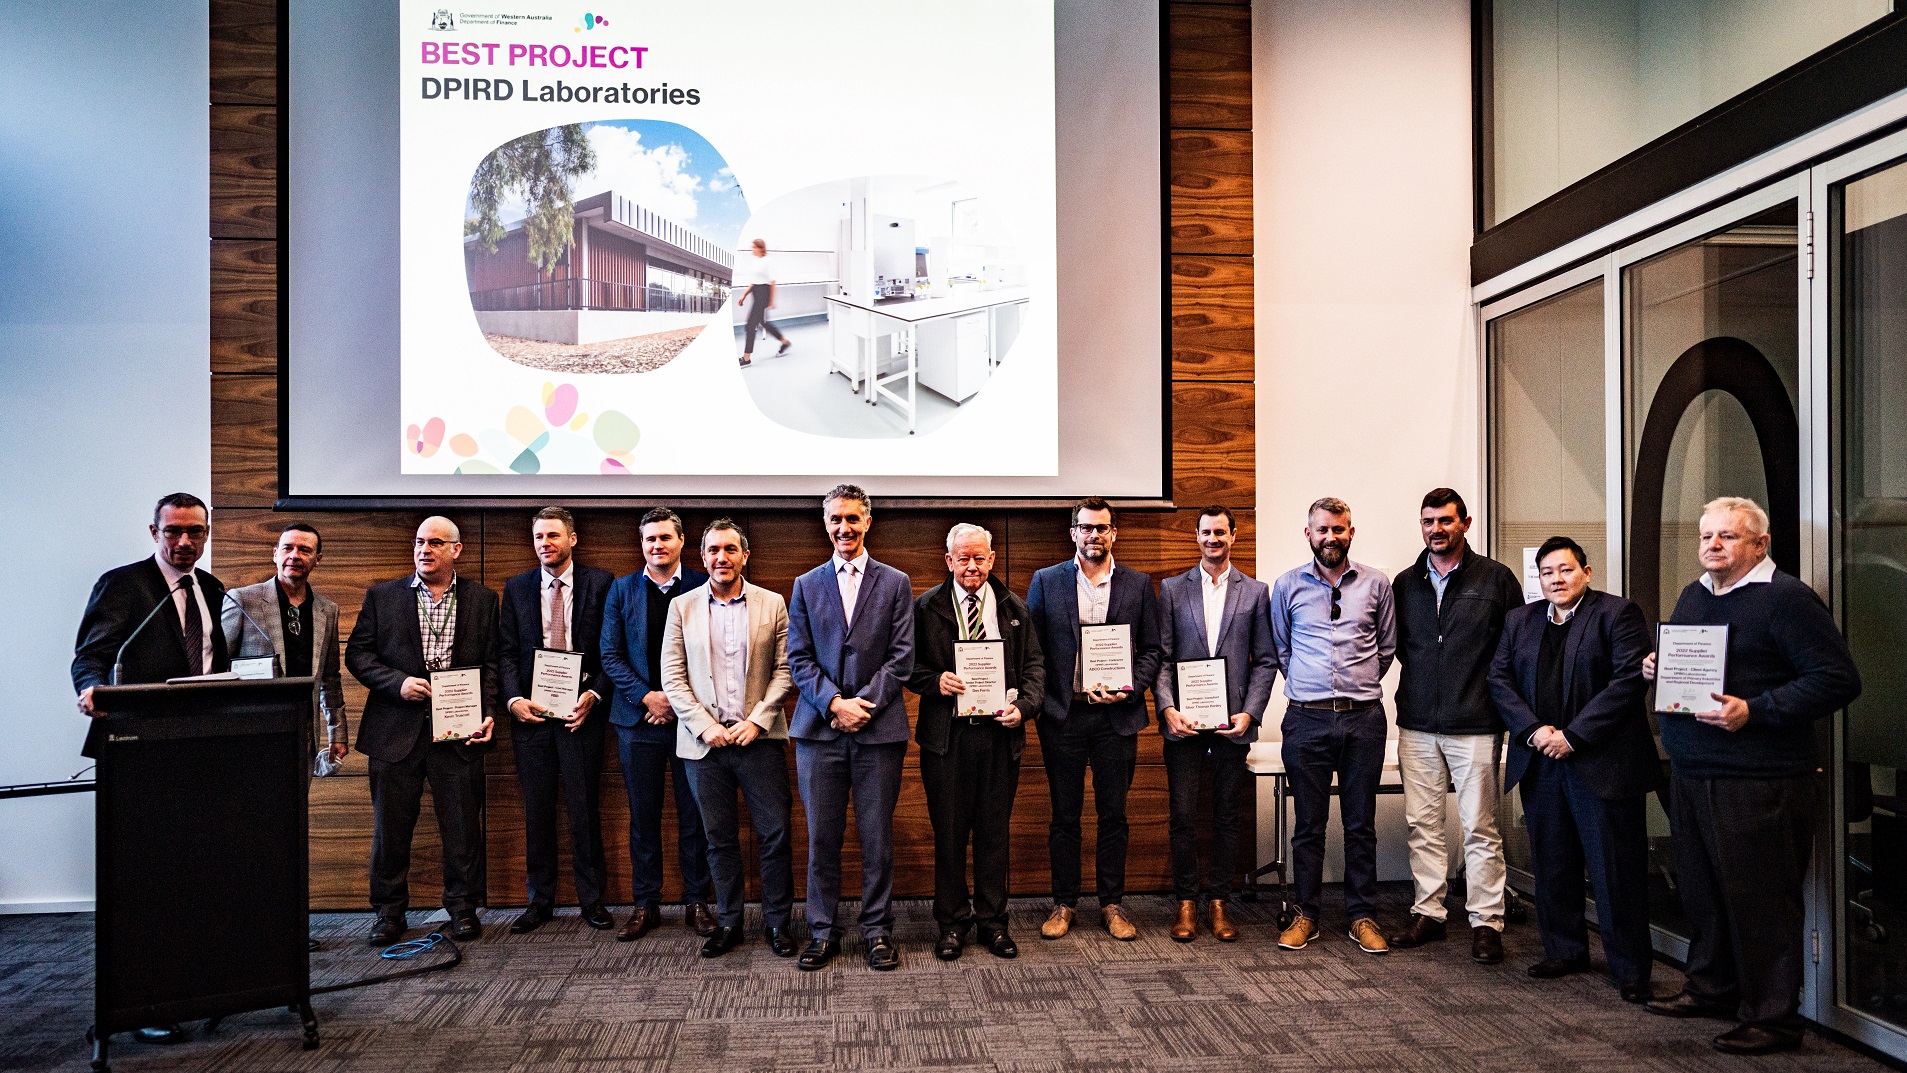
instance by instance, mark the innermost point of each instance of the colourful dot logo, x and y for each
(591, 22)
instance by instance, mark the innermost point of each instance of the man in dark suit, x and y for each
(635, 617)
(1212, 611)
(559, 605)
(850, 650)
(430, 621)
(1084, 727)
(1567, 681)
(969, 758)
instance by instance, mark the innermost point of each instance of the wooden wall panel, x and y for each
(1214, 447)
(245, 432)
(244, 171)
(244, 306)
(244, 51)
(1211, 191)
(1212, 321)
(1208, 59)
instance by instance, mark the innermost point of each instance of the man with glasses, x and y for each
(1334, 627)
(284, 617)
(433, 620)
(1096, 728)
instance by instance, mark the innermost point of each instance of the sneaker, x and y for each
(1368, 939)
(1302, 930)
(1058, 922)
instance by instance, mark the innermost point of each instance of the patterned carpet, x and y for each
(568, 998)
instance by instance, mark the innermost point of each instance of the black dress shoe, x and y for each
(818, 954)
(882, 954)
(1756, 1039)
(1556, 968)
(699, 918)
(465, 926)
(386, 931)
(1001, 945)
(948, 948)
(780, 942)
(1486, 945)
(1419, 931)
(530, 919)
(1638, 993)
(724, 940)
(1684, 1004)
(597, 917)
(161, 1034)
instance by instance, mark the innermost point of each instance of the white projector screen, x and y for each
(522, 260)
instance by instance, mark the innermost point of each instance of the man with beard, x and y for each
(1333, 625)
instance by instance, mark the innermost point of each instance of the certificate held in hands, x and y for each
(1203, 697)
(1691, 664)
(456, 703)
(556, 680)
(981, 666)
(1105, 655)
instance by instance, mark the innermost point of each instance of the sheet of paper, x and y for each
(251, 667)
(1203, 699)
(1105, 655)
(1691, 664)
(1532, 577)
(456, 703)
(556, 680)
(981, 666)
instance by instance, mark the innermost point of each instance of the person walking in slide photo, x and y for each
(757, 275)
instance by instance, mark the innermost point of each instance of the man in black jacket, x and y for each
(1450, 608)
(969, 759)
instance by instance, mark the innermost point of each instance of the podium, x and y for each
(202, 869)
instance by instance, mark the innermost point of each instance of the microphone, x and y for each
(119, 657)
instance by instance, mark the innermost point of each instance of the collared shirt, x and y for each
(989, 613)
(1566, 615)
(1324, 657)
(1214, 593)
(1762, 574)
(728, 655)
(1440, 582)
(206, 619)
(665, 586)
(437, 621)
(848, 574)
(546, 582)
(1095, 603)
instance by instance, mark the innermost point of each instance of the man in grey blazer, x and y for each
(1212, 611)
(725, 672)
(284, 616)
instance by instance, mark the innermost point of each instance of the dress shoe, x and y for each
(161, 1034)
(387, 930)
(1118, 924)
(1756, 1039)
(1637, 993)
(818, 954)
(1486, 945)
(643, 919)
(724, 940)
(531, 919)
(1001, 945)
(1685, 1004)
(882, 954)
(1368, 938)
(597, 917)
(1419, 931)
(1222, 927)
(1300, 932)
(780, 942)
(699, 918)
(1058, 922)
(948, 948)
(465, 926)
(1185, 927)
(1557, 968)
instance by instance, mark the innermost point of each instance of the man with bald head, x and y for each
(432, 620)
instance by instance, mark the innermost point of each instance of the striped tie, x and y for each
(975, 631)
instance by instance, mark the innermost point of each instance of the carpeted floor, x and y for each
(568, 998)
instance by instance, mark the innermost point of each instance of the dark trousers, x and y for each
(831, 773)
(970, 792)
(1741, 856)
(759, 772)
(456, 795)
(1085, 738)
(758, 317)
(645, 765)
(548, 753)
(1186, 761)
(1571, 827)
(1318, 744)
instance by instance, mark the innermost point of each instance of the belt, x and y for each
(1335, 704)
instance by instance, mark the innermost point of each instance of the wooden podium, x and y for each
(202, 866)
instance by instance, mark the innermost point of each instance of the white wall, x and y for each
(104, 381)
(1366, 356)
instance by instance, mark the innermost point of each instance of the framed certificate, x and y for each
(556, 679)
(981, 665)
(1691, 664)
(456, 703)
(1105, 657)
(1203, 699)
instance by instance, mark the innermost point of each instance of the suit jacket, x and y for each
(869, 658)
(1053, 599)
(625, 649)
(243, 639)
(121, 598)
(936, 630)
(1244, 642)
(1605, 707)
(688, 675)
(520, 631)
(387, 646)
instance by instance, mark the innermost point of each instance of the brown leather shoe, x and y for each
(1486, 945)
(1186, 926)
(1368, 939)
(642, 920)
(1301, 931)
(1058, 922)
(1118, 923)
(700, 921)
(1222, 928)
(1419, 931)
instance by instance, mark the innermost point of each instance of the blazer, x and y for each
(936, 630)
(688, 675)
(1244, 642)
(121, 598)
(1053, 599)
(625, 652)
(869, 658)
(243, 640)
(1605, 708)
(520, 631)
(387, 646)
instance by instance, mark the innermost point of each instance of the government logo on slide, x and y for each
(442, 19)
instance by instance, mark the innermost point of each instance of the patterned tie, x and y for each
(975, 630)
(194, 628)
(559, 634)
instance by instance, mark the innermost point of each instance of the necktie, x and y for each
(559, 633)
(194, 628)
(975, 631)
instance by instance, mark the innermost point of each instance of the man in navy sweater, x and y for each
(1742, 801)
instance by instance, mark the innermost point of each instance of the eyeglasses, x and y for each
(1092, 530)
(174, 532)
(1336, 610)
(295, 623)
(433, 543)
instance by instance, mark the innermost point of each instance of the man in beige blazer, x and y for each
(285, 617)
(725, 672)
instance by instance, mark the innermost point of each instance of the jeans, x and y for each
(1319, 743)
